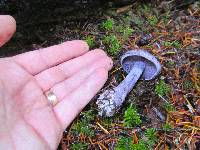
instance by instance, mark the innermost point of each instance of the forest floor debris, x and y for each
(159, 114)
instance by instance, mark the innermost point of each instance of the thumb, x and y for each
(7, 28)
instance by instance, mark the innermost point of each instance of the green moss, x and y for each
(166, 17)
(123, 31)
(127, 21)
(162, 88)
(89, 115)
(140, 146)
(107, 122)
(127, 32)
(167, 127)
(146, 9)
(132, 117)
(188, 84)
(112, 43)
(90, 41)
(117, 33)
(82, 125)
(167, 44)
(108, 25)
(124, 143)
(169, 107)
(79, 146)
(151, 136)
(170, 63)
(153, 20)
(175, 44)
(138, 21)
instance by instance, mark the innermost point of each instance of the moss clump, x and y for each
(112, 43)
(188, 84)
(140, 146)
(79, 146)
(153, 20)
(169, 107)
(132, 117)
(170, 63)
(167, 127)
(117, 33)
(124, 143)
(151, 136)
(90, 41)
(162, 88)
(108, 25)
(83, 126)
(127, 143)
(126, 32)
(175, 44)
(138, 21)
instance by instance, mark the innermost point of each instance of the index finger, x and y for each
(39, 60)
(7, 28)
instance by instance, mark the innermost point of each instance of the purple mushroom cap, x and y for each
(152, 65)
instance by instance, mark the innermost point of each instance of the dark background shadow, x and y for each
(37, 20)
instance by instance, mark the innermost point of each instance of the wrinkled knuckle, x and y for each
(84, 44)
(108, 63)
(99, 52)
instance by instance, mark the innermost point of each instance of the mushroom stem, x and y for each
(128, 83)
(110, 101)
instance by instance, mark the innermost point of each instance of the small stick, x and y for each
(102, 128)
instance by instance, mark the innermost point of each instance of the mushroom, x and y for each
(139, 64)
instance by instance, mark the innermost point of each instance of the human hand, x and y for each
(27, 120)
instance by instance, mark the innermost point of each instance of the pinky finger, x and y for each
(71, 105)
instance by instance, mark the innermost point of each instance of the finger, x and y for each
(72, 104)
(7, 28)
(39, 60)
(62, 89)
(48, 78)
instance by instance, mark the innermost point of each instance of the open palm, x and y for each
(27, 120)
